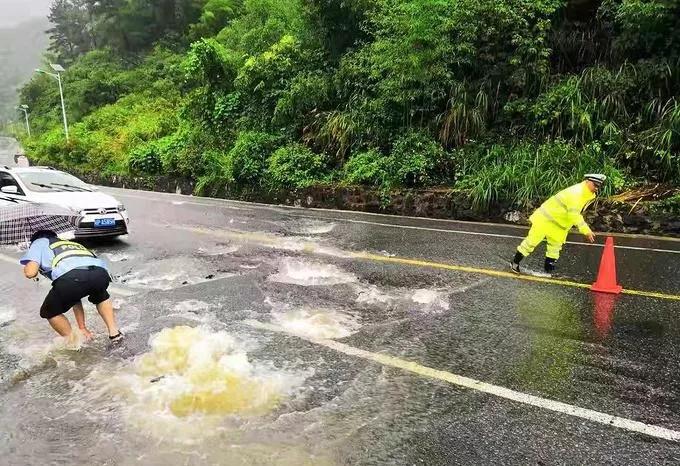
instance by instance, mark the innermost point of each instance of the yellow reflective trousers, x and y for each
(553, 220)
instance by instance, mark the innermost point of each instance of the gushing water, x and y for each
(432, 299)
(304, 273)
(317, 323)
(193, 379)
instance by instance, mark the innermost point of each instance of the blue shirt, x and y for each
(41, 253)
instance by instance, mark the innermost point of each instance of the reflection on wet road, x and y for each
(264, 335)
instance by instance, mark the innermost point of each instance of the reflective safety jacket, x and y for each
(65, 249)
(565, 209)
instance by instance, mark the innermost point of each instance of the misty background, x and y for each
(23, 41)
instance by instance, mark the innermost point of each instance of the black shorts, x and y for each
(70, 288)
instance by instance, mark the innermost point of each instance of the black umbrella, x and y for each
(20, 219)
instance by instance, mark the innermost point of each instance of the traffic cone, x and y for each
(606, 277)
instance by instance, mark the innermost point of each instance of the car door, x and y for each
(6, 179)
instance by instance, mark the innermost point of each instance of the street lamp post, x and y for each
(24, 108)
(57, 75)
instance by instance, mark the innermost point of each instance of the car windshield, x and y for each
(52, 181)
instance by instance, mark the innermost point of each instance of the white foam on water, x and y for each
(161, 282)
(250, 266)
(297, 272)
(312, 227)
(373, 295)
(432, 299)
(73, 342)
(317, 324)
(7, 315)
(192, 384)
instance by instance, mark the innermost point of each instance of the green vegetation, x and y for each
(509, 99)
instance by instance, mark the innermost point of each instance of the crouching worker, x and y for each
(553, 220)
(76, 273)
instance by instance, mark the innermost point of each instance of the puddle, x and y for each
(193, 380)
(297, 272)
(317, 323)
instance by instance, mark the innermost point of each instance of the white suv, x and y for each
(103, 215)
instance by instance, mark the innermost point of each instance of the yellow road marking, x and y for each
(313, 248)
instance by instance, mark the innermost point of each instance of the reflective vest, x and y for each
(65, 249)
(565, 209)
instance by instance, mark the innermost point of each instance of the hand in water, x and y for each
(87, 334)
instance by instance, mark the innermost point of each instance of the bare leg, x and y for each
(61, 325)
(105, 310)
(80, 320)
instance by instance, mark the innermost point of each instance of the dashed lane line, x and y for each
(477, 385)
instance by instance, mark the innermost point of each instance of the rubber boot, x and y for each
(514, 265)
(549, 266)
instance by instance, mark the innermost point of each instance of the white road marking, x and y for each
(492, 235)
(495, 390)
(405, 227)
(112, 289)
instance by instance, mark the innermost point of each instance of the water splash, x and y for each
(431, 299)
(193, 379)
(373, 295)
(297, 272)
(317, 323)
(7, 315)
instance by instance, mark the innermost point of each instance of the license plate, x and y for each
(105, 222)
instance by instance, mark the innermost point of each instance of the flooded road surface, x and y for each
(265, 335)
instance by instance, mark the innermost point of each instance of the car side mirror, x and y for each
(10, 190)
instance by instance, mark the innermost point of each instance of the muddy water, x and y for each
(191, 384)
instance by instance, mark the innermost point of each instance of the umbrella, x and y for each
(20, 219)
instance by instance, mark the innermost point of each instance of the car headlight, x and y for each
(121, 208)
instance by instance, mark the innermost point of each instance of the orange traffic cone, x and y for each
(606, 278)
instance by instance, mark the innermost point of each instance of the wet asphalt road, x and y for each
(226, 264)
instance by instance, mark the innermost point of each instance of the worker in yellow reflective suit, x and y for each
(553, 220)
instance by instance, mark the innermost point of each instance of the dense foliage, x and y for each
(510, 99)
